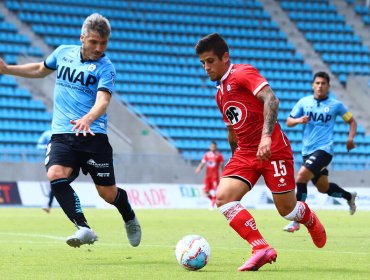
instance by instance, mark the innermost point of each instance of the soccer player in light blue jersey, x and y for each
(317, 113)
(83, 89)
(42, 144)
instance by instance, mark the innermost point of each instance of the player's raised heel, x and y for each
(133, 231)
(259, 258)
(82, 236)
(316, 230)
(292, 227)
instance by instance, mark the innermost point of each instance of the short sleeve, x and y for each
(107, 79)
(343, 111)
(250, 79)
(51, 61)
(297, 110)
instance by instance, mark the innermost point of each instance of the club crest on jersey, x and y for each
(326, 109)
(91, 67)
(236, 113)
(228, 87)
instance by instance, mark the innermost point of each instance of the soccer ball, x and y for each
(192, 252)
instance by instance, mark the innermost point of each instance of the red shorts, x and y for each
(211, 183)
(278, 171)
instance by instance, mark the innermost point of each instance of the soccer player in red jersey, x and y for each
(214, 161)
(259, 148)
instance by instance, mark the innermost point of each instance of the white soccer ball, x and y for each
(193, 252)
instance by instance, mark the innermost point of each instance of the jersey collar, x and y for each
(223, 78)
(320, 100)
(227, 73)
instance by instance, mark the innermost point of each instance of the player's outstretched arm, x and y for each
(100, 107)
(270, 111)
(231, 137)
(294, 121)
(29, 70)
(199, 167)
(352, 133)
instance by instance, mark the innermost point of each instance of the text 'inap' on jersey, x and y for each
(319, 117)
(70, 75)
(236, 113)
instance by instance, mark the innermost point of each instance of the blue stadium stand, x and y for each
(330, 36)
(364, 12)
(159, 75)
(22, 119)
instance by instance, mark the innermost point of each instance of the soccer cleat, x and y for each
(133, 231)
(316, 230)
(292, 227)
(351, 203)
(82, 236)
(259, 258)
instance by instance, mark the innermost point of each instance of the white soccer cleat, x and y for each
(82, 236)
(133, 230)
(292, 227)
(351, 203)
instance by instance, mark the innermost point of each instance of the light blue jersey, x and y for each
(318, 132)
(76, 87)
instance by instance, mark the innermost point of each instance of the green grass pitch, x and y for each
(32, 246)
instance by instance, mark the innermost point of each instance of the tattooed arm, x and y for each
(231, 136)
(270, 112)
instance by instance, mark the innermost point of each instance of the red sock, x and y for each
(243, 223)
(304, 213)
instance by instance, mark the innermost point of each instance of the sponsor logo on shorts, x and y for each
(103, 174)
(97, 165)
(282, 182)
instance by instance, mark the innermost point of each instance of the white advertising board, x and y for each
(170, 196)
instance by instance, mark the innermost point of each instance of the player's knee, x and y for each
(222, 199)
(300, 178)
(57, 172)
(107, 193)
(54, 174)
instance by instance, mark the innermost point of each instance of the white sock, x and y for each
(298, 212)
(231, 209)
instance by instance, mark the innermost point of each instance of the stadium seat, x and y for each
(159, 75)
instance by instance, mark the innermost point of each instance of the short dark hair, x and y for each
(214, 143)
(322, 74)
(212, 42)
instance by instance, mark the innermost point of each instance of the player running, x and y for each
(42, 144)
(259, 148)
(318, 113)
(214, 162)
(83, 89)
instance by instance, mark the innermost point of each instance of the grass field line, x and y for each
(33, 235)
(112, 244)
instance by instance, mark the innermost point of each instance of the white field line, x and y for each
(111, 244)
